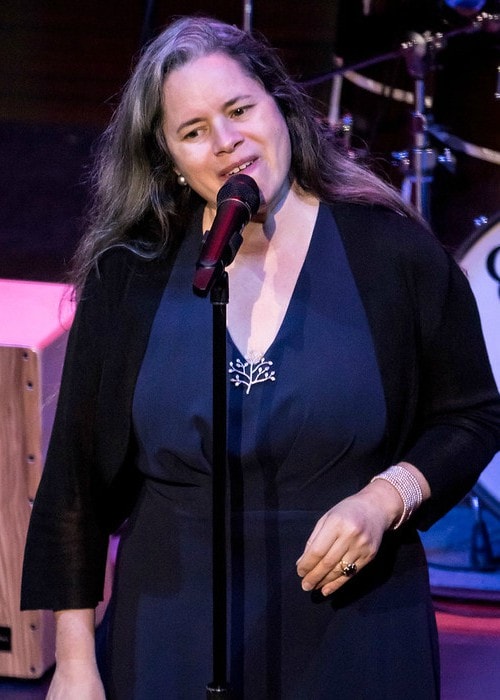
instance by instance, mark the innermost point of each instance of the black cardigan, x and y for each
(443, 408)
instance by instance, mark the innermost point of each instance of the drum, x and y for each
(480, 258)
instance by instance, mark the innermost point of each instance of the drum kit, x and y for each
(479, 253)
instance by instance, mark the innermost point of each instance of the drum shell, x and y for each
(479, 257)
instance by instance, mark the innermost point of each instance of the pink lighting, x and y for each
(33, 314)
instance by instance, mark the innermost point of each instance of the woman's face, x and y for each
(217, 122)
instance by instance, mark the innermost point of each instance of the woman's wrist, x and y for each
(405, 482)
(75, 637)
(387, 499)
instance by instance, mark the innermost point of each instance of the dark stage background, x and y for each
(62, 66)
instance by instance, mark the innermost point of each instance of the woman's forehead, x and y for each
(215, 77)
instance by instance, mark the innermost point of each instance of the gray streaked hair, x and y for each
(137, 200)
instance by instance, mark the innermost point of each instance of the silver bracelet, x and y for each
(408, 488)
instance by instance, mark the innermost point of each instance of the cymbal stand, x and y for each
(418, 164)
(247, 15)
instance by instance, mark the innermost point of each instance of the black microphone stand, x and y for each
(237, 201)
(219, 298)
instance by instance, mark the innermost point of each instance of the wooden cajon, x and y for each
(34, 322)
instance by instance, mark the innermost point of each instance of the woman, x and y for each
(378, 414)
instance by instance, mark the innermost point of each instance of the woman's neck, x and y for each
(295, 212)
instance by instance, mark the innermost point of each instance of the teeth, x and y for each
(241, 167)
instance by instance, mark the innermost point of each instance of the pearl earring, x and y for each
(181, 180)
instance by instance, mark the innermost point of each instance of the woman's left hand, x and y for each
(348, 537)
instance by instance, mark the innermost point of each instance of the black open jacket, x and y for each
(443, 408)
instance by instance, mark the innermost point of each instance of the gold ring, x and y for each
(348, 569)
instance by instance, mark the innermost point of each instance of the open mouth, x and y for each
(239, 168)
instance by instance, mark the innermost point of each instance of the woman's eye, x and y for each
(240, 111)
(191, 134)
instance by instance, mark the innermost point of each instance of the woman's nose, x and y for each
(226, 137)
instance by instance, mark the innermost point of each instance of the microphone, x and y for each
(237, 201)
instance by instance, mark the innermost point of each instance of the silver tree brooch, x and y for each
(251, 372)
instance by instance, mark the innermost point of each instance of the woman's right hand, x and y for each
(76, 680)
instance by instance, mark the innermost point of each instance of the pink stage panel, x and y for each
(33, 314)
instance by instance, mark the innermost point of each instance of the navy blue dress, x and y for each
(298, 430)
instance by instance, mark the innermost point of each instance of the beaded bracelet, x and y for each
(408, 488)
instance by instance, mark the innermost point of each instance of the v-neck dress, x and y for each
(296, 441)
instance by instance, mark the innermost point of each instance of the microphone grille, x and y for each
(241, 187)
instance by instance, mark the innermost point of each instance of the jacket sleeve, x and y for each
(67, 540)
(443, 407)
(459, 406)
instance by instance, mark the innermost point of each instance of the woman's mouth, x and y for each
(239, 168)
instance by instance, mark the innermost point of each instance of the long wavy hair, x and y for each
(137, 201)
